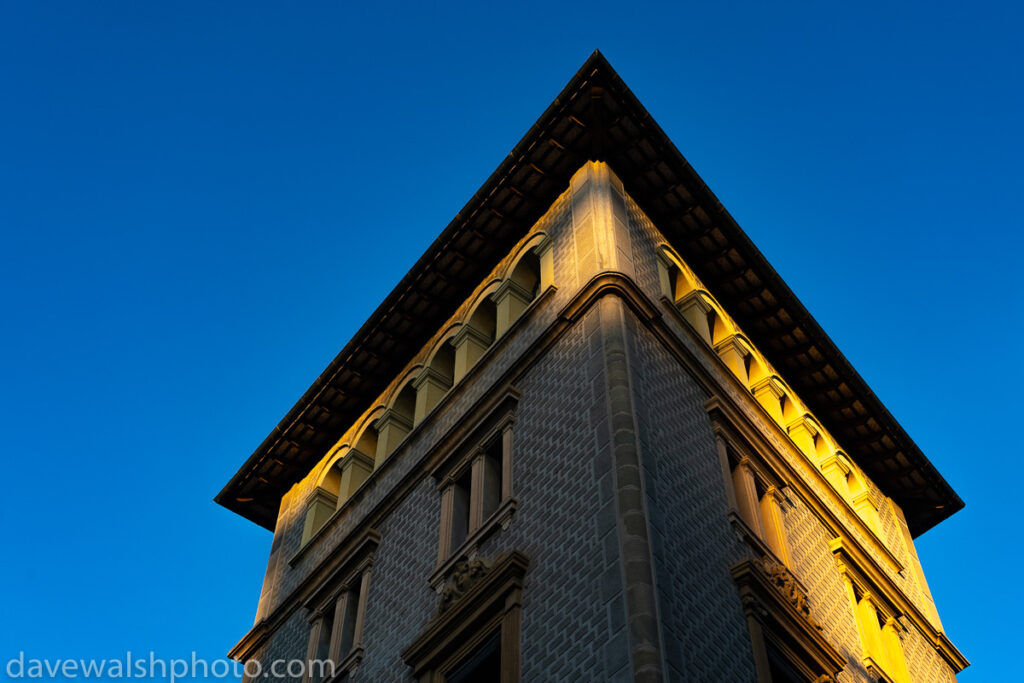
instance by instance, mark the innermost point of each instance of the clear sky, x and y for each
(200, 202)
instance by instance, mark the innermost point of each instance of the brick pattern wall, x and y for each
(705, 631)
(574, 613)
(808, 539)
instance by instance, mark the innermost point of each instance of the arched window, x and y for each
(517, 291)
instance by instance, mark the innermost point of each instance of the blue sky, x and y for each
(201, 202)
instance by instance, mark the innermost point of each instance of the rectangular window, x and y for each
(460, 503)
(475, 486)
(337, 612)
(474, 482)
(491, 489)
(756, 501)
(483, 664)
(323, 636)
(475, 634)
(877, 619)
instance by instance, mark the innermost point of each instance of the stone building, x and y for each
(593, 436)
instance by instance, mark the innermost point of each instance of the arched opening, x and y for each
(676, 281)
(757, 371)
(331, 481)
(863, 501)
(719, 325)
(855, 483)
(526, 274)
(791, 411)
(404, 404)
(823, 447)
(514, 295)
(366, 444)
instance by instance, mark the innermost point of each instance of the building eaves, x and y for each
(595, 117)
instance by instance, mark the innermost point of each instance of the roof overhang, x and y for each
(595, 117)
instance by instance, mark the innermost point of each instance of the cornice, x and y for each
(595, 117)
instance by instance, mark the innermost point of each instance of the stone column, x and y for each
(774, 527)
(337, 634)
(430, 386)
(600, 223)
(867, 507)
(316, 621)
(695, 307)
(734, 352)
(836, 470)
(364, 589)
(356, 467)
(802, 431)
(391, 429)
(470, 344)
(871, 636)
(745, 486)
(769, 392)
(510, 300)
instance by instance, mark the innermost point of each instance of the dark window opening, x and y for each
(483, 665)
(460, 509)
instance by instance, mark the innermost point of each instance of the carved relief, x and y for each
(784, 582)
(466, 574)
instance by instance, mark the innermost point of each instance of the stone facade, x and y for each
(623, 502)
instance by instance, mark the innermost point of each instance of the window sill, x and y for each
(500, 518)
(875, 670)
(750, 537)
(347, 667)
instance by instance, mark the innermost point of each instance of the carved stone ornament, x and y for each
(466, 573)
(786, 584)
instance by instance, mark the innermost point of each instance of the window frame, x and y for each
(332, 603)
(757, 494)
(877, 616)
(479, 600)
(470, 457)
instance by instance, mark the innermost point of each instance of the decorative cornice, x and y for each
(865, 497)
(488, 592)
(321, 494)
(733, 342)
(356, 456)
(836, 460)
(594, 117)
(804, 421)
(501, 518)
(771, 384)
(348, 569)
